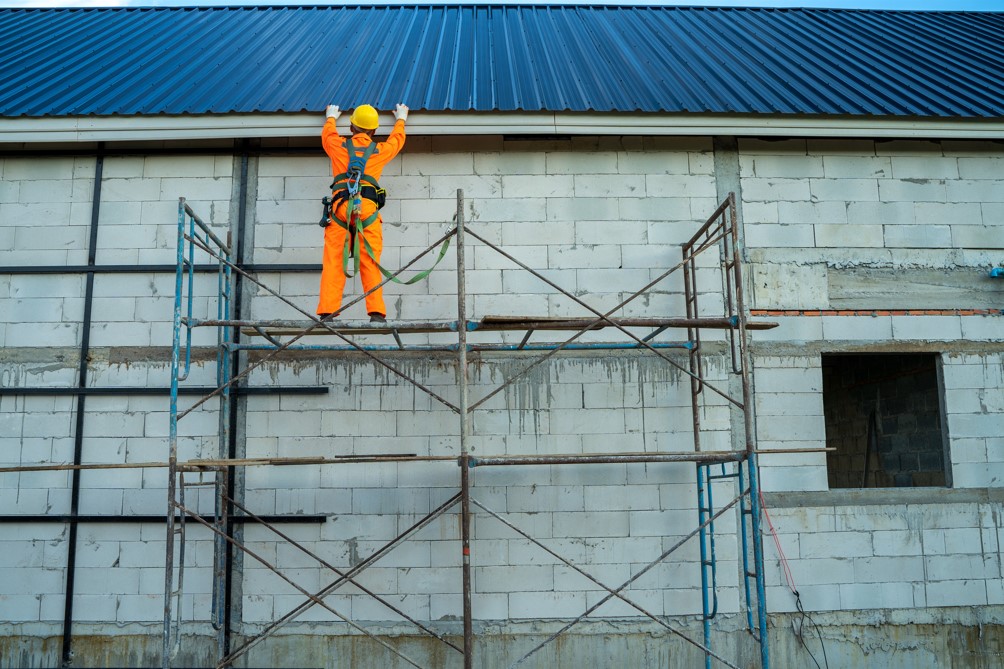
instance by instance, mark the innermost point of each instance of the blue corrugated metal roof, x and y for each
(77, 62)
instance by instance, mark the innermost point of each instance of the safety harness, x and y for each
(355, 185)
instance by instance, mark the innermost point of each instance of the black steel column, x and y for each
(234, 361)
(78, 436)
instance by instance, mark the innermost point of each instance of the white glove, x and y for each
(333, 112)
(401, 113)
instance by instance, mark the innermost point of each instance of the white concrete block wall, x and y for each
(603, 223)
(45, 216)
(599, 217)
(885, 556)
(975, 416)
(789, 410)
(819, 193)
(581, 512)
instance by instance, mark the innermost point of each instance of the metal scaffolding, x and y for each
(719, 233)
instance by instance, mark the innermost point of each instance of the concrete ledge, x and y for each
(884, 496)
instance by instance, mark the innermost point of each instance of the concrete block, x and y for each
(779, 478)
(788, 404)
(769, 236)
(474, 186)
(681, 186)
(585, 256)
(47, 190)
(956, 593)
(857, 596)
(133, 608)
(105, 501)
(654, 162)
(258, 608)
(50, 237)
(311, 188)
(801, 213)
(582, 208)
(969, 450)
(677, 209)
(136, 189)
(884, 213)
(978, 236)
(967, 190)
(856, 166)
(787, 165)
(593, 186)
(36, 168)
(426, 164)
(519, 186)
(836, 544)
(556, 604)
(791, 329)
(96, 607)
(927, 327)
(985, 328)
(596, 524)
(807, 379)
(982, 167)
(180, 166)
(963, 540)
(949, 213)
(509, 163)
(756, 189)
(516, 577)
(889, 569)
(922, 168)
(897, 543)
(107, 581)
(20, 608)
(844, 189)
(857, 327)
(509, 210)
(440, 210)
(914, 190)
(759, 212)
(850, 236)
(593, 162)
(976, 425)
(918, 236)
(949, 516)
(595, 281)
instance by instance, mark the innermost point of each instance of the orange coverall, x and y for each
(332, 275)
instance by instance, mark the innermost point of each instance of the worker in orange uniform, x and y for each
(355, 213)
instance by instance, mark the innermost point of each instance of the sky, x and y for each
(966, 5)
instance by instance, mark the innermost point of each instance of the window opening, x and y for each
(884, 419)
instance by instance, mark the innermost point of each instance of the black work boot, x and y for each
(377, 318)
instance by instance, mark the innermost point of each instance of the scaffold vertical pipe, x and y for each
(465, 480)
(749, 427)
(704, 511)
(223, 378)
(172, 458)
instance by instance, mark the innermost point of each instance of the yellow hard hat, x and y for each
(365, 117)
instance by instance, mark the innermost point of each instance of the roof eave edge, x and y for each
(216, 126)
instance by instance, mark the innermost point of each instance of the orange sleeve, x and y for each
(394, 143)
(330, 139)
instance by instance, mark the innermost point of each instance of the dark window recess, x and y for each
(884, 420)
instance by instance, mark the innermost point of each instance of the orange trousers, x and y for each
(333, 276)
